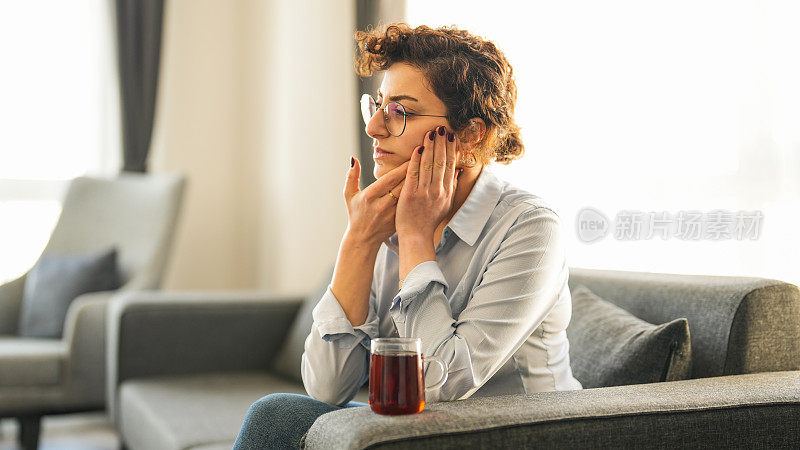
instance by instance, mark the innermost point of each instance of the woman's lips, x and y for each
(381, 153)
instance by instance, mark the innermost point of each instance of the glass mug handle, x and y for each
(442, 365)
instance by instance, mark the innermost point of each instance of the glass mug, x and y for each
(396, 378)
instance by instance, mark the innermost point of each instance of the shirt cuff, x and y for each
(334, 326)
(416, 282)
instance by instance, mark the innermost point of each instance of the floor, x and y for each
(83, 431)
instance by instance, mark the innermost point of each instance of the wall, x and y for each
(257, 105)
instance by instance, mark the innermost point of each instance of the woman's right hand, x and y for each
(371, 212)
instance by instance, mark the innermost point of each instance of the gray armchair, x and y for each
(135, 212)
(185, 367)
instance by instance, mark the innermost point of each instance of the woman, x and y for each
(438, 247)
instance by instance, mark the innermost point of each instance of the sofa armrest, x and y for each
(752, 410)
(157, 333)
(10, 303)
(85, 335)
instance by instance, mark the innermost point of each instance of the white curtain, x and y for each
(659, 107)
(59, 115)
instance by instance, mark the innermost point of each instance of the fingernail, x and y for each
(420, 150)
(431, 135)
(352, 161)
(460, 171)
(441, 131)
(450, 137)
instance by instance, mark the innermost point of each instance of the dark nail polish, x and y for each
(451, 137)
(420, 150)
(441, 131)
(459, 173)
(431, 135)
(352, 161)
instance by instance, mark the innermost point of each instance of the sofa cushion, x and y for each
(181, 412)
(194, 411)
(55, 281)
(611, 347)
(738, 324)
(288, 360)
(28, 362)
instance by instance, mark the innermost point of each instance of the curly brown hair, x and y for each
(469, 74)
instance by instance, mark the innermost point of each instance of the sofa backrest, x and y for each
(737, 325)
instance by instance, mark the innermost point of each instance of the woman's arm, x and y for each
(335, 362)
(352, 277)
(520, 285)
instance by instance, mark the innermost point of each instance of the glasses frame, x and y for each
(367, 101)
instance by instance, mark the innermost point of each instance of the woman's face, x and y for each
(404, 84)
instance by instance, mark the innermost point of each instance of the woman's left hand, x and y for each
(429, 191)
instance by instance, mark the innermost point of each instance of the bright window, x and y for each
(653, 107)
(58, 115)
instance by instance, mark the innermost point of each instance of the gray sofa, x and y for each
(184, 367)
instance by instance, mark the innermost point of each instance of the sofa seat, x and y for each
(194, 411)
(31, 362)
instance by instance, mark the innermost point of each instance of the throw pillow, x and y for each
(55, 281)
(611, 347)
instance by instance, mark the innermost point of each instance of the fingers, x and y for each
(395, 191)
(426, 163)
(439, 157)
(399, 186)
(413, 166)
(382, 185)
(351, 184)
(398, 190)
(393, 196)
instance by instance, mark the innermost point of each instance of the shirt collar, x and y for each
(471, 217)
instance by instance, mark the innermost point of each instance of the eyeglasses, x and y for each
(394, 115)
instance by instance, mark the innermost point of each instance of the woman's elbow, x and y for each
(324, 390)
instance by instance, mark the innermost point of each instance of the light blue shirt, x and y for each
(494, 305)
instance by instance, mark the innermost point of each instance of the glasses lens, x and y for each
(368, 107)
(395, 118)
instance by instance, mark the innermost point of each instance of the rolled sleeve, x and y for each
(334, 365)
(416, 283)
(334, 326)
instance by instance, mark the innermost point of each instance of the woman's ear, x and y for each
(474, 132)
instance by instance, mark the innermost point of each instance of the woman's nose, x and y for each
(375, 128)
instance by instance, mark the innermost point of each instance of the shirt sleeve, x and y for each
(335, 362)
(520, 285)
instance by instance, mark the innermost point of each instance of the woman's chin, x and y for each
(381, 170)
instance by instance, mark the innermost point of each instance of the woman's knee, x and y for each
(287, 406)
(276, 398)
(271, 403)
(275, 421)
